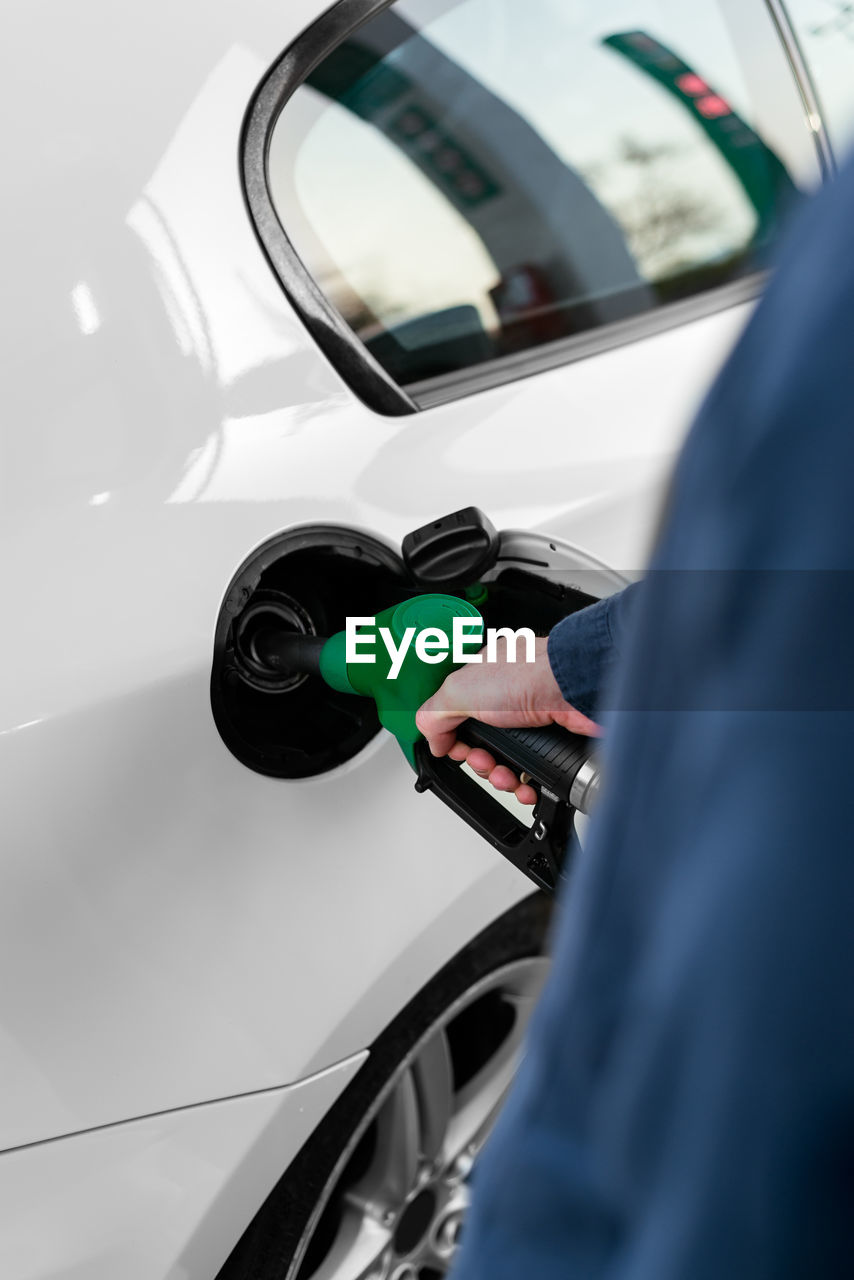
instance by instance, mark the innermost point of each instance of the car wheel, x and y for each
(380, 1191)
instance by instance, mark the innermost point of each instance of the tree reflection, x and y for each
(663, 214)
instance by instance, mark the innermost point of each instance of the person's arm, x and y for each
(584, 648)
(685, 1106)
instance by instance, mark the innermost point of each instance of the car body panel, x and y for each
(160, 899)
(83, 1208)
(175, 929)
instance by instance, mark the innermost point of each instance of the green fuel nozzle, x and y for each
(399, 658)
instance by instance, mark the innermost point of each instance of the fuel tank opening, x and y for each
(275, 642)
(297, 588)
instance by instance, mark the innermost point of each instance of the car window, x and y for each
(468, 179)
(825, 30)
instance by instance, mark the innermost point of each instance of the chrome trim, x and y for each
(493, 373)
(806, 86)
(585, 787)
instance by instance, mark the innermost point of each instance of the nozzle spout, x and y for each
(286, 652)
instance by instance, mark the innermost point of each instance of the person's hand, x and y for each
(509, 695)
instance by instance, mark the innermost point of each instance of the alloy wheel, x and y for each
(396, 1207)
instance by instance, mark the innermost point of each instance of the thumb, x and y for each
(575, 721)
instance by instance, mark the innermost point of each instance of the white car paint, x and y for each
(155, 1197)
(172, 926)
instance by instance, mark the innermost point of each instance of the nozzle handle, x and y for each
(559, 766)
(552, 756)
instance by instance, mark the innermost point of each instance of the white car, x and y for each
(284, 281)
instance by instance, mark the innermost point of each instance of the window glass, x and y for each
(470, 178)
(825, 30)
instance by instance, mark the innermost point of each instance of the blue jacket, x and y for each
(685, 1110)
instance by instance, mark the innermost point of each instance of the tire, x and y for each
(379, 1191)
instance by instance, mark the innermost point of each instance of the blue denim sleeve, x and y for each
(685, 1104)
(584, 648)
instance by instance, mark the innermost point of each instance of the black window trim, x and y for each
(333, 335)
(360, 370)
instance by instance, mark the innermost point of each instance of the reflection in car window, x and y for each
(466, 179)
(825, 29)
